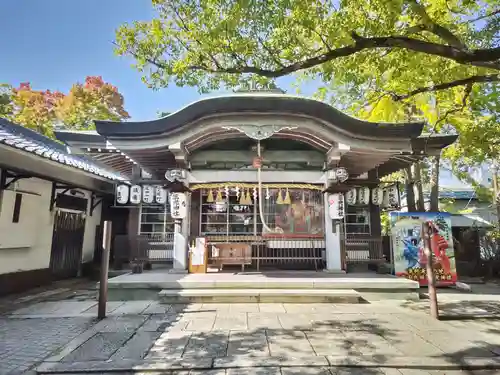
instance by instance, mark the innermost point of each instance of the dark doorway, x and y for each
(67, 244)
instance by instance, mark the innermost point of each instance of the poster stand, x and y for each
(198, 256)
(408, 250)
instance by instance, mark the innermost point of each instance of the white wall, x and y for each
(26, 245)
(91, 223)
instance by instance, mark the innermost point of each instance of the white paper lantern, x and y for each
(385, 198)
(393, 196)
(160, 195)
(148, 194)
(135, 194)
(122, 193)
(350, 197)
(364, 195)
(377, 196)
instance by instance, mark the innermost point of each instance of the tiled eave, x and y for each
(24, 139)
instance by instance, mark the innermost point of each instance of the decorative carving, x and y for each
(338, 174)
(259, 132)
(175, 175)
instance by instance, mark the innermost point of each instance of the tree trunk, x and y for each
(417, 179)
(410, 193)
(434, 182)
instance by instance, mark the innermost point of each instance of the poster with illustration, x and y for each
(408, 254)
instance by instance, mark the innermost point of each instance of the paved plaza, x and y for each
(376, 338)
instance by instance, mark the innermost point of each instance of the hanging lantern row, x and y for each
(385, 197)
(136, 194)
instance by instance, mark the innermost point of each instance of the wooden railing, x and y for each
(277, 251)
(359, 248)
(151, 248)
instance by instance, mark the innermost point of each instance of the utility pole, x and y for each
(427, 232)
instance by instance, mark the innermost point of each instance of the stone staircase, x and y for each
(263, 295)
(260, 287)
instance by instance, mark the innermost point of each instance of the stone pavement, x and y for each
(25, 343)
(388, 337)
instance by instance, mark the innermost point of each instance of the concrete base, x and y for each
(178, 271)
(259, 296)
(335, 272)
(149, 283)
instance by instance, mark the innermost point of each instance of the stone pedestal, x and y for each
(180, 249)
(332, 242)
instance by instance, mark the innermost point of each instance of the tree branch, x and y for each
(448, 85)
(433, 27)
(181, 23)
(137, 57)
(481, 57)
(483, 16)
(467, 93)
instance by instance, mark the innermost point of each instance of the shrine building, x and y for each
(268, 179)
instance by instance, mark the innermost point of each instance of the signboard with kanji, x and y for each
(178, 208)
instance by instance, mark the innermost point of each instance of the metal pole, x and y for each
(103, 282)
(431, 279)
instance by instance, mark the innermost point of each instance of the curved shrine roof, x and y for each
(262, 103)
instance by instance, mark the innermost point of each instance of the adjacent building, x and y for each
(50, 208)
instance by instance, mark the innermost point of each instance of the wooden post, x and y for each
(103, 282)
(496, 192)
(431, 278)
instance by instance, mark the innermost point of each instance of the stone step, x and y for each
(364, 364)
(259, 296)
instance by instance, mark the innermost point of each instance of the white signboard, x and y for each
(160, 195)
(135, 194)
(198, 252)
(178, 205)
(148, 192)
(122, 193)
(336, 209)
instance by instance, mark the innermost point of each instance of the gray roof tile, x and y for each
(27, 140)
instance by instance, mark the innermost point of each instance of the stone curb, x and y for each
(163, 364)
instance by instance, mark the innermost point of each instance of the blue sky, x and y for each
(55, 43)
